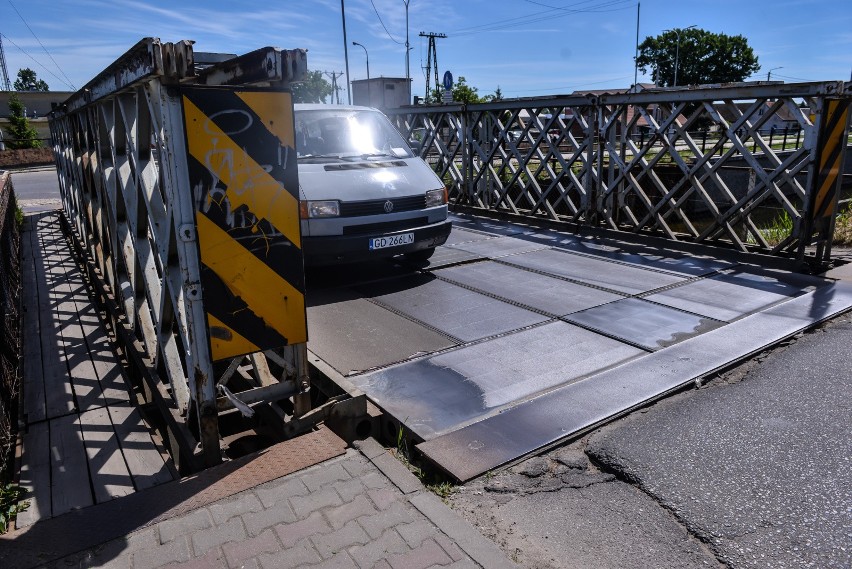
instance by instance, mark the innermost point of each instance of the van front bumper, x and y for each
(333, 249)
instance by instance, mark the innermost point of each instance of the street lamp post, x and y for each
(677, 49)
(369, 94)
(769, 73)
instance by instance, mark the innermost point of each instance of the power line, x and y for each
(383, 25)
(37, 62)
(42, 45)
(607, 6)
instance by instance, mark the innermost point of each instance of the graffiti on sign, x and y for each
(242, 168)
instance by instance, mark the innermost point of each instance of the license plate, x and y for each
(391, 241)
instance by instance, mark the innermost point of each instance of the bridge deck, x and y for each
(83, 441)
(514, 337)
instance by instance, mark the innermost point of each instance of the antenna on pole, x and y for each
(7, 86)
(432, 55)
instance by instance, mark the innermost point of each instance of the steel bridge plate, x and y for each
(352, 334)
(548, 294)
(441, 393)
(456, 311)
(491, 360)
(730, 296)
(598, 272)
(500, 247)
(643, 323)
(520, 430)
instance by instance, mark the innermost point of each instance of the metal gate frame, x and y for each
(120, 146)
(637, 162)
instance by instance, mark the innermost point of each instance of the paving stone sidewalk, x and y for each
(363, 509)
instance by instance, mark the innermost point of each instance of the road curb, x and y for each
(482, 550)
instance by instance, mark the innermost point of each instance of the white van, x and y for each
(363, 192)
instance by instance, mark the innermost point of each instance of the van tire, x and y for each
(420, 256)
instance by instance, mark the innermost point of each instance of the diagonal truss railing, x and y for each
(122, 151)
(751, 166)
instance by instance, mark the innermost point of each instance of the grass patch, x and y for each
(10, 494)
(843, 227)
(434, 482)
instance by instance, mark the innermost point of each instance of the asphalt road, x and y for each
(752, 470)
(37, 189)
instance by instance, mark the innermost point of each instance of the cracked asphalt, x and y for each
(752, 470)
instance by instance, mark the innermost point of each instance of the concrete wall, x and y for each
(36, 102)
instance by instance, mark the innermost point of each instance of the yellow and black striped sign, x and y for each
(832, 143)
(243, 174)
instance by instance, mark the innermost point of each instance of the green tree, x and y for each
(464, 93)
(496, 96)
(27, 81)
(314, 89)
(21, 134)
(702, 57)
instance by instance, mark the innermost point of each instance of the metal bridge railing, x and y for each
(180, 183)
(752, 166)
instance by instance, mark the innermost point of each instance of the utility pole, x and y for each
(432, 56)
(346, 54)
(769, 73)
(407, 50)
(335, 88)
(7, 86)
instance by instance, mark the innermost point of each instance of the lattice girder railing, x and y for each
(708, 164)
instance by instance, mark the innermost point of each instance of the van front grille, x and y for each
(385, 227)
(378, 207)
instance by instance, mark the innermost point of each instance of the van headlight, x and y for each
(436, 197)
(314, 209)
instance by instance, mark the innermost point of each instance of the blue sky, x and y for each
(526, 47)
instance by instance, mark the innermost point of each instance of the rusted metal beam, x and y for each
(264, 65)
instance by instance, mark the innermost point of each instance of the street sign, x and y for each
(448, 80)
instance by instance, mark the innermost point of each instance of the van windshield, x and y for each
(347, 134)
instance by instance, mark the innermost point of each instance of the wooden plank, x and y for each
(144, 460)
(109, 474)
(69, 483)
(35, 474)
(33, 378)
(59, 398)
(110, 373)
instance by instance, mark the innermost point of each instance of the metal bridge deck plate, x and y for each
(630, 279)
(375, 336)
(642, 323)
(454, 310)
(477, 448)
(551, 295)
(730, 296)
(441, 393)
(489, 360)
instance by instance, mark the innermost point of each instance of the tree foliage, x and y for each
(314, 89)
(27, 81)
(22, 135)
(703, 57)
(465, 93)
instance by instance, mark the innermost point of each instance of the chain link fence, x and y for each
(10, 324)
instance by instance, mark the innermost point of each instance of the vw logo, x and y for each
(388, 206)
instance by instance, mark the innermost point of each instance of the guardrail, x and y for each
(665, 162)
(10, 324)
